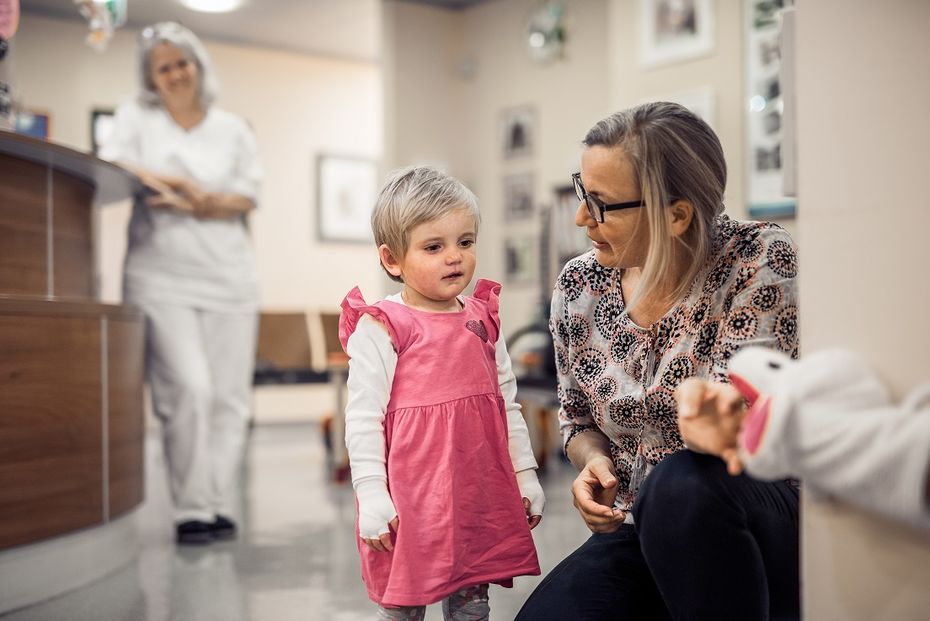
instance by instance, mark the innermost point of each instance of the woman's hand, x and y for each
(173, 191)
(185, 196)
(710, 416)
(171, 201)
(154, 183)
(198, 199)
(595, 490)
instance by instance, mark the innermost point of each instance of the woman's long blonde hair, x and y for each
(675, 155)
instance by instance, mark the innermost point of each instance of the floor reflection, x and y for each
(295, 558)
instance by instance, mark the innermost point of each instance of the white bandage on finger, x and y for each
(530, 489)
(375, 508)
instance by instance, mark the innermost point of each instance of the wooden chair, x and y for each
(337, 363)
(284, 351)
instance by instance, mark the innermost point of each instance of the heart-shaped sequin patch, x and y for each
(478, 328)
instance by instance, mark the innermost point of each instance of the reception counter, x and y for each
(71, 378)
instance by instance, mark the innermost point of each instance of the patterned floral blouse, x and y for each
(620, 378)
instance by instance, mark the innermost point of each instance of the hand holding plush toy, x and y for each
(827, 420)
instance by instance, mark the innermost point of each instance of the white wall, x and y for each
(298, 105)
(863, 77)
(864, 213)
(438, 113)
(435, 113)
(424, 110)
(424, 101)
(721, 72)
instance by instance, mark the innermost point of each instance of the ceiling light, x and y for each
(545, 34)
(212, 6)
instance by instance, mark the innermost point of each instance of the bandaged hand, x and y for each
(534, 500)
(376, 514)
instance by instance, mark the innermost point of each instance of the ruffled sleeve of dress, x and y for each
(489, 292)
(353, 307)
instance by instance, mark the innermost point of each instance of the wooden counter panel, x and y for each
(72, 201)
(53, 395)
(40, 305)
(50, 427)
(23, 253)
(112, 182)
(125, 344)
(73, 236)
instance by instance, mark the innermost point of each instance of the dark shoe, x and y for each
(194, 532)
(223, 528)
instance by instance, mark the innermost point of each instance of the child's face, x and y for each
(439, 263)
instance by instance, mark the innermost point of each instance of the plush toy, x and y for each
(829, 421)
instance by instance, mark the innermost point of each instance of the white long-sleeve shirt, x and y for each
(372, 363)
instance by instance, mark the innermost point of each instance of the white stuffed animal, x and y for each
(829, 421)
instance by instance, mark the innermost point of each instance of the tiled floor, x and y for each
(295, 558)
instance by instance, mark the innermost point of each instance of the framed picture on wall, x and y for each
(518, 131)
(35, 123)
(518, 197)
(346, 188)
(765, 198)
(675, 30)
(101, 124)
(519, 260)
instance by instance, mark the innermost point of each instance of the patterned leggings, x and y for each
(468, 604)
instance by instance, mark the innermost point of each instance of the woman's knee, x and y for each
(183, 398)
(684, 483)
(605, 574)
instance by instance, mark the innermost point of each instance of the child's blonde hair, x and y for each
(412, 196)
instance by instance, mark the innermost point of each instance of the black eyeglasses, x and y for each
(596, 207)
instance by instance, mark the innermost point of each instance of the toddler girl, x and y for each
(439, 451)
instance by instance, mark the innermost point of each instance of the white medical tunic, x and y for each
(172, 257)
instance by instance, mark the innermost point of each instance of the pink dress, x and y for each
(461, 519)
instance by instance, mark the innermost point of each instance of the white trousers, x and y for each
(199, 366)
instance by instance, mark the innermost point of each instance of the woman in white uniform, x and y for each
(190, 268)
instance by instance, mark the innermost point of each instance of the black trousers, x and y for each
(705, 546)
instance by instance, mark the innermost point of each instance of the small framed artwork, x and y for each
(518, 131)
(35, 123)
(346, 188)
(519, 260)
(101, 125)
(518, 197)
(675, 30)
(765, 107)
